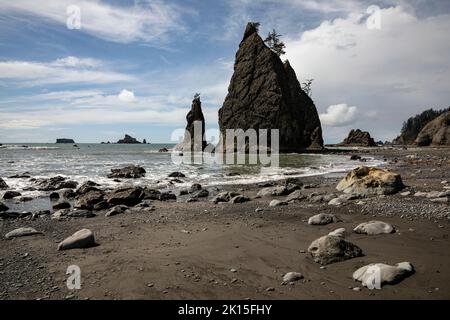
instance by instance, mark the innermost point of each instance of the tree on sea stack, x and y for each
(274, 43)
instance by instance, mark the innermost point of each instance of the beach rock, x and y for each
(329, 249)
(24, 175)
(11, 194)
(374, 228)
(68, 213)
(203, 193)
(128, 172)
(54, 196)
(163, 150)
(355, 157)
(358, 138)
(369, 181)
(317, 198)
(55, 183)
(441, 200)
(295, 196)
(239, 199)
(384, 273)
(341, 232)
(68, 194)
(102, 205)
(89, 199)
(26, 199)
(83, 238)
(3, 185)
(292, 276)
(195, 187)
(151, 194)
(22, 232)
(166, 196)
(336, 202)
(405, 194)
(224, 196)
(61, 205)
(87, 186)
(273, 191)
(264, 93)
(195, 119)
(322, 219)
(177, 175)
(128, 196)
(277, 203)
(128, 140)
(436, 132)
(116, 210)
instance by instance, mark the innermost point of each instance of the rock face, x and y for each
(128, 140)
(383, 273)
(264, 93)
(358, 138)
(3, 184)
(195, 119)
(367, 181)
(436, 132)
(129, 172)
(329, 249)
(374, 228)
(64, 140)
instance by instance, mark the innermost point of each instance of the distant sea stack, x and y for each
(64, 140)
(194, 118)
(358, 138)
(128, 140)
(264, 93)
(436, 132)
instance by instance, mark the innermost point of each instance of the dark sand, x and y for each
(186, 250)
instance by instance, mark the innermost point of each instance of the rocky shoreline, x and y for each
(158, 244)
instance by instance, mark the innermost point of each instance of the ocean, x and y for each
(95, 161)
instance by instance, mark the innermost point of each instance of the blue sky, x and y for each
(134, 66)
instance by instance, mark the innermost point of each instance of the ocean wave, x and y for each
(25, 147)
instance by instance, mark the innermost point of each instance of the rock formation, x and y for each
(195, 124)
(128, 140)
(358, 138)
(64, 140)
(436, 132)
(264, 93)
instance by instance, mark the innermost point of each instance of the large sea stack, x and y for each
(195, 125)
(264, 93)
(436, 132)
(128, 140)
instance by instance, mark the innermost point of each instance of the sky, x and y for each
(134, 66)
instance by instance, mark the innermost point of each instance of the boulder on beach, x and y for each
(116, 210)
(176, 174)
(11, 194)
(195, 125)
(322, 219)
(297, 195)
(273, 191)
(69, 213)
(83, 238)
(3, 185)
(380, 273)
(22, 232)
(358, 138)
(89, 199)
(329, 249)
(55, 183)
(224, 196)
(374, 228)
(87, 186)
(163, 150)
(128, 172)
(436, 132)
(151, 194)
(264, 93)
(370, 181)
(61, 205)
(128, 140)
(166, 196)
(239, 199)
(277, 203)
(340, 232)
(128, 196)
(292, 276)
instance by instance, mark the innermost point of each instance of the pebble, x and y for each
(356, 289)
(233, 270)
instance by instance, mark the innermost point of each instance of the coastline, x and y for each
(186, 250)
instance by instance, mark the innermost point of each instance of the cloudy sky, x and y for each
(134, 66)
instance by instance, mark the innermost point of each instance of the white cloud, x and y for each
(148, 21)
(338, 115)
(66, 70)
(396, 71)
(126, 96)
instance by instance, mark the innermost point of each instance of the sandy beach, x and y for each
(202, 250)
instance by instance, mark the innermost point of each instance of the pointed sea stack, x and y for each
(264, 93)
(358, 138)
(194, 119)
